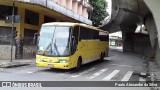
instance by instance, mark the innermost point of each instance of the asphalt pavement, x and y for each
(119, 66)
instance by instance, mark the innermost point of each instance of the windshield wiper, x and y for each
(55, 46)
(46, 48)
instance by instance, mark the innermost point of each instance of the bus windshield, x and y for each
(54, 41)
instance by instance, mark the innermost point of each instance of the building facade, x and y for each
(33, 14)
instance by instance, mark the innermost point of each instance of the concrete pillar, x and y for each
(80, 9)
(128, 43)
(84, 12)
(151, 27)
(62, 3)
(56, 1)
(157, 53)
(154, 6)
(41, 19)
(127, 38)
(154, 26)
(19, 39)
(75, 7)
(69, 4)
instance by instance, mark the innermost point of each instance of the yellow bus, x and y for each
(64, 45)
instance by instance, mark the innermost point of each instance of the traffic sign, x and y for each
(16, 19)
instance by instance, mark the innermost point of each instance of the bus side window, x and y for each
(103, 36)
(75, 34)
(96, 34)
(84, 33)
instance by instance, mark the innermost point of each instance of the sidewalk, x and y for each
(154, 70)
(16, 63)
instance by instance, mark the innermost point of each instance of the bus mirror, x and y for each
(35, 39)
(73, 38)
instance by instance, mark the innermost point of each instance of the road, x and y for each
(118, 66)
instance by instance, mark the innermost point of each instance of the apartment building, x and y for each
(33, 14)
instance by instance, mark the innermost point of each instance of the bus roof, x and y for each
(73, 24)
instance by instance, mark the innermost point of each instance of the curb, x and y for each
(10, 65)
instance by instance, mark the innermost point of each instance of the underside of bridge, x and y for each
(127, 16)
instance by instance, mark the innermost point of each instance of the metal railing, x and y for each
(56, 7)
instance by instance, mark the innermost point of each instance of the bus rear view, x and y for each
(60, 46)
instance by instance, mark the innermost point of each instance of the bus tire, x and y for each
(79, 63)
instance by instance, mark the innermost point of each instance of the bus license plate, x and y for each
(50, 65)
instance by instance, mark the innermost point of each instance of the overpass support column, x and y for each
(153, 34)
(127, 38)
(154, 30)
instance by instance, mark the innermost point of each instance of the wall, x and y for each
(142, 45)
(5, 52)
(137, 43)
(29, 51)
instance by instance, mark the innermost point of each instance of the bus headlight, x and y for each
(62, 61)
(39, 60)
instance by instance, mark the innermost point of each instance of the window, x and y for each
(95, 34)
(5, 35)
(87, 33)
(75, 36)
(28, 36)
(103, 36)
(91, 34)
(84, 33)
(31, 17)
(6, 10)
(75, 32)
(49, 19)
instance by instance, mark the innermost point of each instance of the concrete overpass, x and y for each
(127, 15)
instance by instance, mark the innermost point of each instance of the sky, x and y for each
(109, 7)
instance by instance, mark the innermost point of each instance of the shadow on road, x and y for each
(74, 70)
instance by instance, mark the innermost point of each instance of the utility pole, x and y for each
(13, 18)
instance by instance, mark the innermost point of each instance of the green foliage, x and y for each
(99, 12)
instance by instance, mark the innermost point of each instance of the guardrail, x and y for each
(52, 5)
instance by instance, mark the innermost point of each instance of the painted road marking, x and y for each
(110, 76)
(121, 65)
(127, 76)
(84, 72)
(97, 73)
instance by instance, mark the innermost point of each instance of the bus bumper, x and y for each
(53, 65)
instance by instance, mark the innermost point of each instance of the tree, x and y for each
(99, 12)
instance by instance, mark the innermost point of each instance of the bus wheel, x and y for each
(79, 63)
